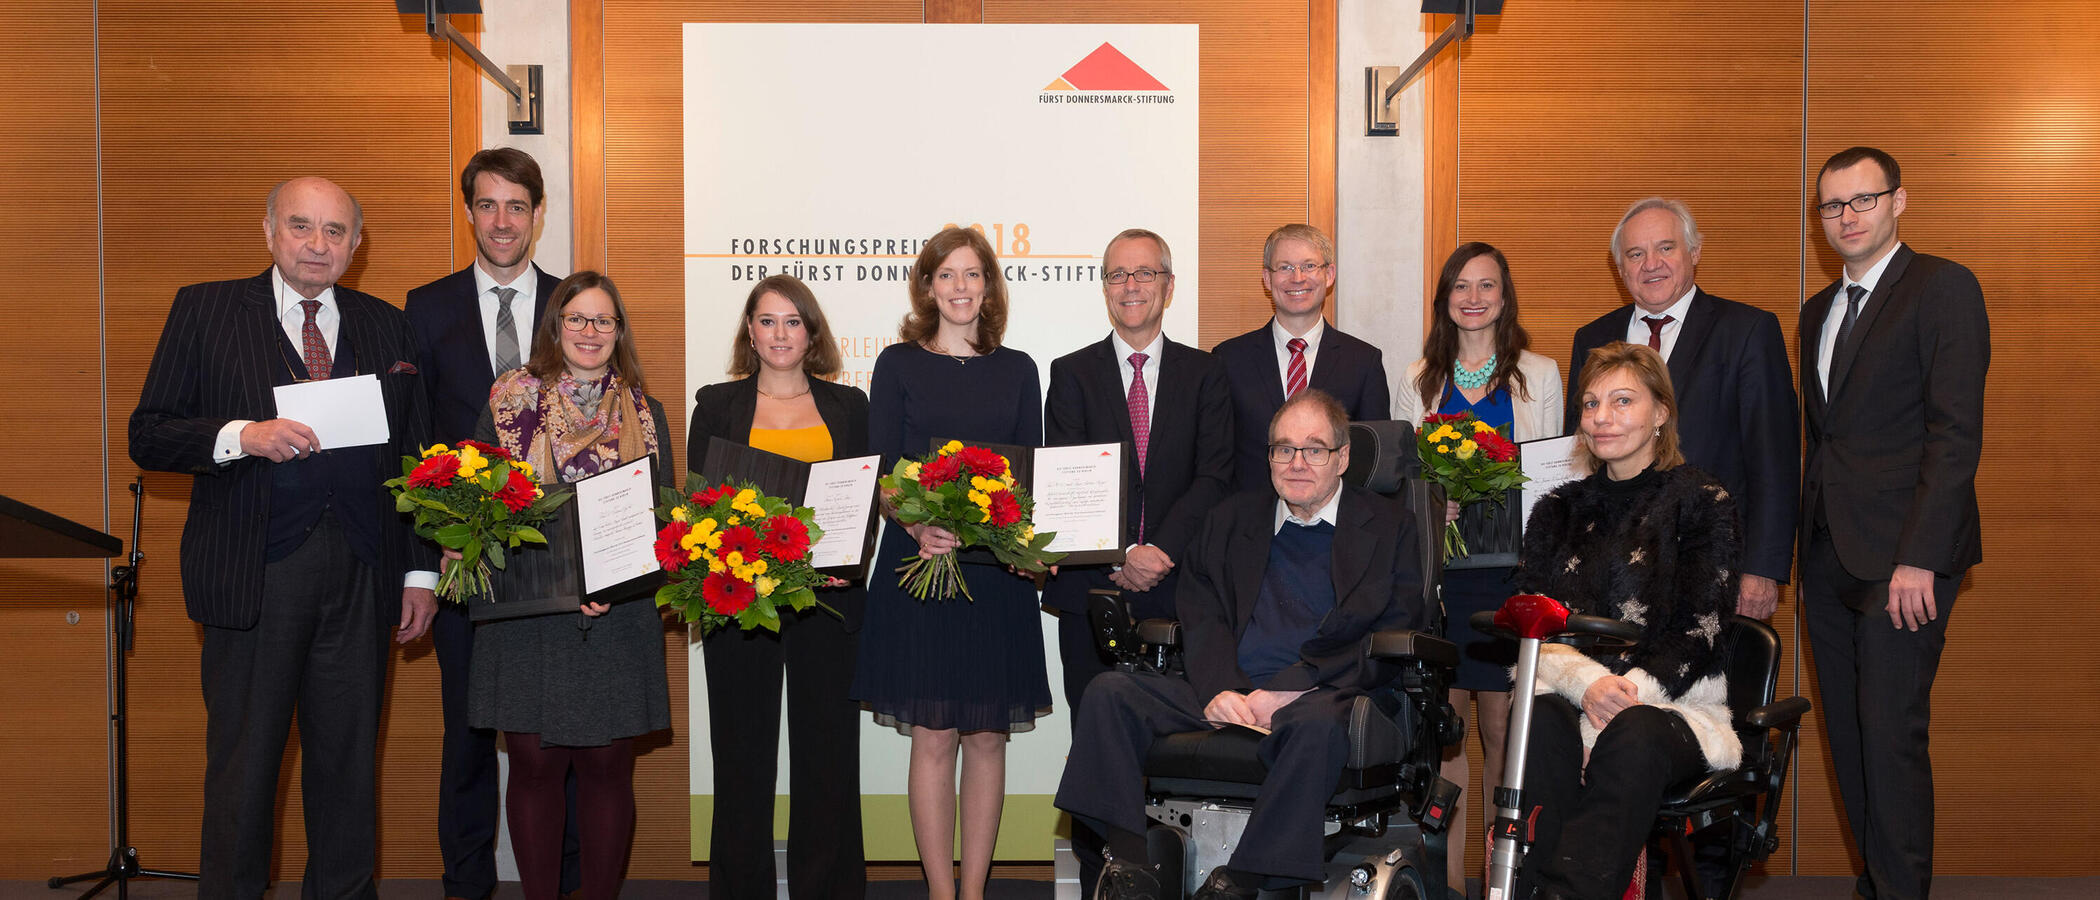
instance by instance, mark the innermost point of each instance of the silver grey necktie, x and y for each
(506, 332)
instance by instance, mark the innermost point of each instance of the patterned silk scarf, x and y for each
(569, 429)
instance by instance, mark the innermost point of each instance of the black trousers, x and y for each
(826, 857)
(1876, 700)
(319, 649)
(1124, 713)
(468, 795)
(1591, 824)
(1081, 662)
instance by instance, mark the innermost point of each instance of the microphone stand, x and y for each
(123, 595)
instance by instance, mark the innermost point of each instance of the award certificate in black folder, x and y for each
(840, 491)
(600, 548)
(1081, 494)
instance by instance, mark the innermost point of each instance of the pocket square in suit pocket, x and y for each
(402, 368)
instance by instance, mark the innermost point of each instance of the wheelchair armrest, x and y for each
(1401, 645)
(1159, 632)
(1781, 714)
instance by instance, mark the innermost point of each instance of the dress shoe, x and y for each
(1221, 886)
(1125, 880)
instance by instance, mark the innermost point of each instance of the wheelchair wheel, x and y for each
(1405, 884)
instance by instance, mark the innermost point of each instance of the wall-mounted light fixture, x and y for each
(1384, 83)
(522, 83)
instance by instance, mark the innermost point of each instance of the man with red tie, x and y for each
(1295, 350)
(1737, 416)
(1168, 405)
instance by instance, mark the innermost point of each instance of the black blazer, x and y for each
(1188, 456)
(1892, 453)
(446, 317)
(1736, 414)
(1348, 368)
(214, 365)
(725, 409)
(1377, 585)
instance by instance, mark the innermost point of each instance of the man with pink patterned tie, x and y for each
(1295, 350)
(1168, 405)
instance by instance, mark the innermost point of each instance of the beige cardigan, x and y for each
(1537, 416)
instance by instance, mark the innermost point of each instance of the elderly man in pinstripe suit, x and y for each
(293, 559)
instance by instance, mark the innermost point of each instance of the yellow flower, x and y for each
(471, 462)
(743, 497)
(984, 515)
(981, 498)
(1443, 432)
(678, 514)
(1480, 427)
(758, 567)
(705, 525)
(736, 520)
(523, 466)
(435, 449)
(951, 447)
(1008, 478)
(694, 552)
(692, 540)
(766, 586)
(987, 485)
(714, 541)
(1467, 449)
(1443, 449)
(734, 558)
(1027, 533)
(715, 566)
(911, 471)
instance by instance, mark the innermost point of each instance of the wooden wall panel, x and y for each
(1994, 129)
(1567, 115)
(205, 106)
(53, 729)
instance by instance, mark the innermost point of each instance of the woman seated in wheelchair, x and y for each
(1650, 540)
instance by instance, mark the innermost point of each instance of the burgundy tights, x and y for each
(604, 812)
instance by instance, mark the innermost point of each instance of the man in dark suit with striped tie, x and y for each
(471, 326)
(1168, 405)
(1893, 357)
(293, 558)
(1297, 349)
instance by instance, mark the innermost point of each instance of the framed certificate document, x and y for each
(841, 491)
(600, 549)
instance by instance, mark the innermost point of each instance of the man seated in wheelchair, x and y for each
(1277, 597)
(1652, 541)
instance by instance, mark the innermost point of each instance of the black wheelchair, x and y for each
(1744, 801)
(1385, 820)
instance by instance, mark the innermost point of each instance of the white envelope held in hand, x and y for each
(343, 412)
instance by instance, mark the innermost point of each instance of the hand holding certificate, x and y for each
(343, 412)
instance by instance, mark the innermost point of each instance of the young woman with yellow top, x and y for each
(781, 404)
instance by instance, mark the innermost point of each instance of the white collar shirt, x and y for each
(1283, 349)
(1637, 330)
(1826, 343)
(523, 306)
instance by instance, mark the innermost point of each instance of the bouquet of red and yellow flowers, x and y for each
(968, 491)
(474, 499)
(1471, 460)
(734, 555)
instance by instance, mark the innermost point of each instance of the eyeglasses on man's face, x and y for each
(1315, 455)
(600, 324)
(1289, 270)
(1861, 203)
(1141, 276)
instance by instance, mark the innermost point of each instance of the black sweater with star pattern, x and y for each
(1659, 549)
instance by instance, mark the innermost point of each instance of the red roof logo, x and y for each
(1105, 69)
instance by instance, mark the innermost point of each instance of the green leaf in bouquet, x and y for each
(526, 534)
(798, 600)
(457, 536)
(495, 554)
(668, 595)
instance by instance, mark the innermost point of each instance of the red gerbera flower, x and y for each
(1005, 509)
(437, 471)
(1440, 418)
(1497, 447)
(489, 450)
(787, 539)
(712, 495)
(517, 492)
(668, 552)
(727, 594)
(742, 539)
(982, 462)
(939, 471)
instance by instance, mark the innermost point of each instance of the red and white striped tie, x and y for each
(1294, 378)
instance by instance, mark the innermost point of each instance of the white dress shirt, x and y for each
(1637, 330)
(1326, 512)
(1283, 350)
(292, 317)
(1826, 343)
(523, 307)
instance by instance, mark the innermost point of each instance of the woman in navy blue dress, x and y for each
(1475, 360)
(953, 674)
